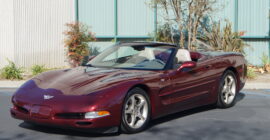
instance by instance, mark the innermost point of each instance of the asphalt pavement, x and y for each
(249, 119)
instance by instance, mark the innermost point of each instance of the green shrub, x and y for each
(77, 38)
(163, 34)
(225, 39)
(11, 71)
(37, 69)
(266, 62)
(251, 73)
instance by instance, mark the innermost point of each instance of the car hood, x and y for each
(86, 80)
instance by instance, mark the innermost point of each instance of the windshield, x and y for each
(134, 57)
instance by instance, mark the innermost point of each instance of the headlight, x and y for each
(96, 114)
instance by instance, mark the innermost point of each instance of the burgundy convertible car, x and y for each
(128, 85)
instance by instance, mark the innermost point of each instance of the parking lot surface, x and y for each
(249, 119)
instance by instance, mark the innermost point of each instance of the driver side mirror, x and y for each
(188, 64)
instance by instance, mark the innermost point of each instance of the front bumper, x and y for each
(98, 125)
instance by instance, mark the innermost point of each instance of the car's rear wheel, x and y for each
(136, 111)
(227, 90)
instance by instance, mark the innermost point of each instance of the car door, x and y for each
(191, 86)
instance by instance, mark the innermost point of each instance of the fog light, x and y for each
(96, 114)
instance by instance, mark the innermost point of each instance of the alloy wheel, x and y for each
(136, 111)
(228, 89)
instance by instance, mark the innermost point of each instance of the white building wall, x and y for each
(6, 32)
(39, 27)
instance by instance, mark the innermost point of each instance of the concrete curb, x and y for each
(257, 85)
(11, 84)
(249, 85)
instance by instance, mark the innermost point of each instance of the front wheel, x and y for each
(136, 111)
(227, 90)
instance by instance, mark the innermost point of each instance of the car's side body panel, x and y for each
(199, 86)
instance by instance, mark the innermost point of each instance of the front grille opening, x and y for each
(70, 115)
(83, 123)
(22, 109)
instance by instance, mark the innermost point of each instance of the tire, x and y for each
(227, 90)
(135, 111)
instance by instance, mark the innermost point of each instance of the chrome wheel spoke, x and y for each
(232, 93)
(133, 119)
(130, 106)
(226, 81)
(224, 89)
(140, 116)
(129, 110)
(231, 82)
(132, 99)
(226, 97)
(141, 104)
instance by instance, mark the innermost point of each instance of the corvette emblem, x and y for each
(47, 97)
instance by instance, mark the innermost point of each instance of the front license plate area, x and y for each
(41, 112)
